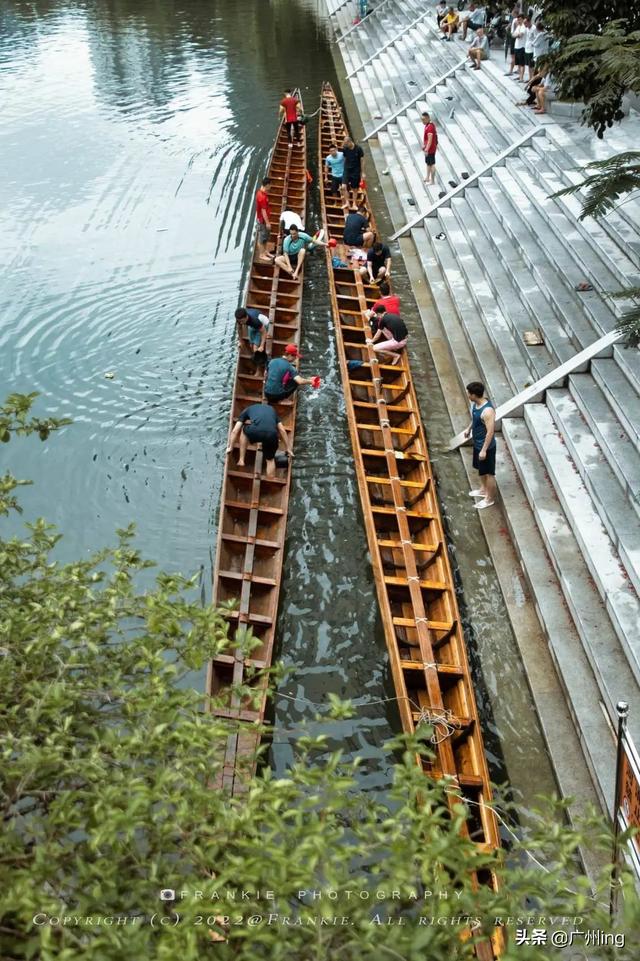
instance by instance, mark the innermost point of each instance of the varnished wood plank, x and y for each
(241, 521)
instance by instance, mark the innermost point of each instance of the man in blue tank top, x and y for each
(482, 431)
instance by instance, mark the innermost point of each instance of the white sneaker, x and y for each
(484, 503)
(477, 493)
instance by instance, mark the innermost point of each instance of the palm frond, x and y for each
(629, 323)
(615, 177)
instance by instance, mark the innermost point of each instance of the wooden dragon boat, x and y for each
(253, 509)
(404, 530)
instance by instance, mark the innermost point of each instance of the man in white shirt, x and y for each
(520, 38)
(441, 9)
(528, 46)
(289, 219)
(479, 48)
(511, 37)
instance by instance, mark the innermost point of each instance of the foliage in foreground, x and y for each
(597, 59)
(106, 788)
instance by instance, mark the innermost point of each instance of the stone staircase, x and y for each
(502, 258)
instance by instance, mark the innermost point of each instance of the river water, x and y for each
(134, 134)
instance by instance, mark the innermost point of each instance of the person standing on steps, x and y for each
(259, 424)
(520, 39)
(482, 431)
(353, 168)
(263, 216)
(429, 147)
(290, 110)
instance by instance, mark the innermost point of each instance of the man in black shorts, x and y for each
(356, 232)
(259, 424)
(353, 168)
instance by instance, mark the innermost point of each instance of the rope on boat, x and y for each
(464, 800)
(442, 720)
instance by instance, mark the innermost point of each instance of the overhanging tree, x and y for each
(598, 62)
(107, 794)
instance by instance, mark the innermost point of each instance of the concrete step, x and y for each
(628, 360)
(608, 495)
(510, 278)
(584, 316)
(611, 668)
(540, 532)
(608, 267)
(394, 164)
(604, 563)
(540, 360)
(457, 263)
(611, 379)
(616, 445)
(464, 360)
(612, 235)
(570, 152)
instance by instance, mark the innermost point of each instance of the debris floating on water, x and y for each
(109, 375)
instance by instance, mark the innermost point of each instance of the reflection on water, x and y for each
(134, 135)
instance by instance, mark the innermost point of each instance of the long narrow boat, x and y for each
(253, 509)
(404, 529)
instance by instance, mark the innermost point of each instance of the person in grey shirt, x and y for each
(541, 42)
(479, 48)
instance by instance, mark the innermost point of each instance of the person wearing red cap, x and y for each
(282, 377)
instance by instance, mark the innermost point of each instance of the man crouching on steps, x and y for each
(259, 424)
(482, 431)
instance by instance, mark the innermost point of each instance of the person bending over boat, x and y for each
(289, 219)
(378, 266)
(393, 329)
(294, 250)
(259, 424)
(356, 229)
(257, 330)
(282, 377)
(390, 302)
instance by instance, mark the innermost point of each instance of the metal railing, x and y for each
(423, 93)
(355, 26)
(389, 43)
(430, 211)
(511, 408)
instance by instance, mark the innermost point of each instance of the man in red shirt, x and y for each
(263, 216)
(389, 301)
(429, 146)
(290, 109)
